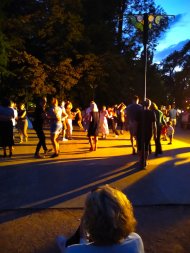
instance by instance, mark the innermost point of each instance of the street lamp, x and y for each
(144, 23)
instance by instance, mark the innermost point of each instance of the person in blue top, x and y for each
(107, 226)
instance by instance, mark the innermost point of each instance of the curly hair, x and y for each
(108, 216)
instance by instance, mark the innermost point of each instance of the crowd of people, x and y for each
(108, 223)
(143, 121)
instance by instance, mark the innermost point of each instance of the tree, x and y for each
(92, 73)
(75, 47)
(65, 76)
(30, 76)
(176, 75)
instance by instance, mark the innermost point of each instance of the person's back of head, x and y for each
(103, 108)
(68, 105)
(54, 101)
(108, 216)
(62, 103)
(21, 106)
(173, 105)
(147, 103)
(135, 99)
(41, 101)
(93, 107)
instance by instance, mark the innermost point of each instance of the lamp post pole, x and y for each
(145, 41)
(144, 22)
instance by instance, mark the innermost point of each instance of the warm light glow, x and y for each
(151, 18)
(184, 158)
(139, 18)
(112, 163)
(158, 19)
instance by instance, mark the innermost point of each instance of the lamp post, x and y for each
(145, 41)
(144, 22)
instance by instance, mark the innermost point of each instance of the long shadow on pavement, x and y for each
(49, 183)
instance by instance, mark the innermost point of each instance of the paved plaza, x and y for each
(52, 191)
(64, 181)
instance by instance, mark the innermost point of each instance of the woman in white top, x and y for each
(55, 115)
(69, 119)
(108, 225)
(103, 123)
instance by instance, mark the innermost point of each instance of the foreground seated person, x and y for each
(107, 225)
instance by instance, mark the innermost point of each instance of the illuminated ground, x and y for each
(160, 191)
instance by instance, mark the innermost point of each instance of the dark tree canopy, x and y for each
(176, 75)
(78, 49)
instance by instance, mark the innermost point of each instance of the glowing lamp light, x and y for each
(151, 18)
(138, 20)
(158, 19)
(144, 23)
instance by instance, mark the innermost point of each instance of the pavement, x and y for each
(39, 193)
(63, 182)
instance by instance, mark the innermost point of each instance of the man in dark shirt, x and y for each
(132, 111)
(146, 126)
(39, 117)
